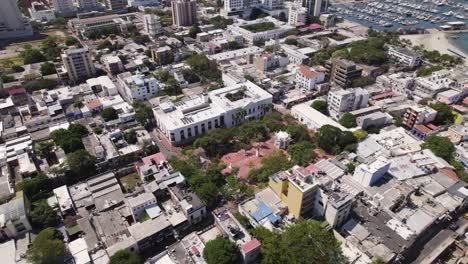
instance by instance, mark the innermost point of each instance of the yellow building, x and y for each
(297, 189)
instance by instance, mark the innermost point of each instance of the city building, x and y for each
(458, 133)
(267, 62)
(184, 12)
(115, 5)
(64, 201)
(376, 119)
(405, 56)
(282, 139)
(152, 25)
(265, 209)
(137, 3)
(416, 115)
(89, 5)
(307, 78)
(272, 4)
(13, 219)
(369, 174)
(234, 54)
(86, 26)
(232, 7)
(40, 12)
(297, 15)
(312, 118)
(64, 7)
(298, 189)
(248, 29)
(78, 64)
(162, 55)
(192, 206)
(137, 86)
(12, 23)
(113, 64)
(226, 107)
(341, 101)
(430, 86)
(138, 204)
(343, 72)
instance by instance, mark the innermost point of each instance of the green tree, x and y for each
(221, 251)
(320, 106)
(71, 41)
(193, 31)
(208, 193)
(441, 146)
(78, 130)
(44, 149)
(216, 143)
(40, 84)
(125, 257)
(81, 165)
(47, 248)
(37, 188)
(444, 115)
(327, 137)
(109, 114)
(350, 167)
(33, 56)
(274, 122)
(348, 120)
(288, 247)
(360, 134)
(298, 132)
(302, 153)
(271, 164)
(362, 81)
(43, 216)
(460, 170)
(131, 136)
(97, 130)
(47, 68)
(291, 41)
(7, 78)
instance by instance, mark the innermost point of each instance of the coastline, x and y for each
(437, 40)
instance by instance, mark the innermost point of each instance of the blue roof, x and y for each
(264, 211)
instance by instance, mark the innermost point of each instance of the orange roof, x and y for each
(424, 129)
(450, 173)
(94, 103)
(305, 70)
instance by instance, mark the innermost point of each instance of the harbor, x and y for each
(392, 15)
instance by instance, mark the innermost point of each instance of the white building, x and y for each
(312, 118)
(152, 25)
(272, 4)
(63, 7)
(430, 86)
(317, 7)
(88, 5)
(400, 83)
(236, 6)
(342, 101)
(368, 174)
(137, 86)
(282, 139)
(307, 78)
(78, 63)
(245, 29)
(115, 5)
(192, 206)
(137, 3)
(64, 200)
(297, 15)
(234, 54)
(113, 63)
(41, 12)
(12, 23)
(405, 56)
(140, 203)
(13, 218)
(103, 83)
(226, 107)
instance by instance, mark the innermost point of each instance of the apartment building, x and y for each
(297, 15)
(267, 62)
(226, 107)
(368, 174)
(12, 23)
(232, 7)
(417, 115)
(162, 55)
(298, 189)
(272, 4)
(404, 56)
(137, 86)
(152, 25)
(64, 7)
(113, 64)
(307, 78)
(115, 5)
(343, 72)
(184, 13)
(192, 206)
(78, 64)
(138, 204)
(88, 5)
(14, 219)
(40, 12)
(430, 86)
(341, 101)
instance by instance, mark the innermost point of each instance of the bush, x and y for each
(221, 251)
(109, 114)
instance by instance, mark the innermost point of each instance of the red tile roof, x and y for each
(450, 173)
(158, 158)
(422, 128)
(305, 70)
(314, 26)
(94, 103)
(17, 91)
(250, 246)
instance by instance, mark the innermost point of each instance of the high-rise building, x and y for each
(12, 23)
(314, 6)
(297, 15)
(341, 101)
(78, 64)
(88, 4)
(115, 5)
(272, 4)
(63, 7)
(343, 72)
(184, 12)
(152, 25)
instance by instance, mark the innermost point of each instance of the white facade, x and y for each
(231, 6)
(137, 3)
(40, 12)
(139, 203)
(63, 6)
(115, 5)
(152, 25)
(428, 87)
(297, 15)
(307, 78)
(368, 174)
(88, 4)
(12, 22)
(250, 37)
(317, 8)
(405, 56)
(186, 120)
(78, 63)
(272, 4)
(342, 101)
(312, 118)
(138, 86)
